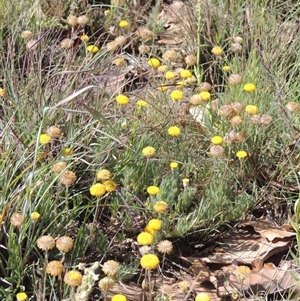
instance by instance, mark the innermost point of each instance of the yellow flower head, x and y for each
(176, 95)
(67, 152)
(119, 62)
(2, 92)
(73, 278)
(149, 230)
(154, 63)
(149, 151)
(141, 103)
(169, 75)
(84, 38)
(202, 297)
(226, 68)
(174, 131)
(173, 165)
(153, 190)
(205, 95)
(160, 207)
(217, 140)
(22, 296)
(45, 139)
(110, 186)
(162, 88)
(145, 238)
(180, 84)
(185, 73)
(149, 262)
(35, 216)
(97, 190)
(92, 48)
(122, 100)
(249, 87)
(103, 174)
(241, 154)
(119, 297)
(251, 110)
(123, 23)
(217, 51)
(155, 224)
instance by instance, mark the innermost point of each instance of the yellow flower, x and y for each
(149, 230)
(160, 207)
(181, 84)
(149, 151)
(202, 297)
(67, 151)
(84, 38)
(174, 131)
(251, 110)
(123, 23)
(162, 88)
(145, 238)
(226, 68)
(249, 87)
(119, 297)
(173, 165)
(155, 224)
(241, 154)
(35, 216)
(154, 63)
(103, 174)
(169, 75)
(141, 103)
(205, 95)
(185, 182)
(153, 190)
(45, 139)
(21, 296)
(149, 262)
(2, 92)
(176, 95)
(73, 278)
(217, 51)
(217, 140)
(92, 48)
(119, 62)
(110, 186)
(97, 190)
(122, 99)
(185, 73)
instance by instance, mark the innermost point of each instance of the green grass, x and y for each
(48, 85)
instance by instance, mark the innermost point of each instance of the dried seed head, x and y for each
(54, 268)
(54, 132)
(230, 137)
(190, 60)
(292, 106)
(225, 111)
(110, 268)
(144, 49)
(106, 284)
(32, 44)
(240, 136)
(235, 47)
(17, 219)
(144, 33)
(68, 178)
(64, 244)
(72, 20)
(238, 40)
(82, 20)
(196, 99)
(236, 120)
(26, 34)
(255, 119)
(67, 43)
(59, 167)
(235, 79)
(116, 43)
(237, 107)
(216, 151)
(184, 285)
(170, 55)
(45, 242)
(266, 119)
(165, 247)
(205, 86)
(118, 3)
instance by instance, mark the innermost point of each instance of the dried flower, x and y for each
(45, 242)
(72, 20)
(217, 140)
(162, 68)
(237, 107)
(225, 111)
(67, 43)
(122, 100)
(22, 296)
(292, 106)
(165, 247)
(145, 238)
(170, 55)
(116, 43)
(123, 23)
(54, 132)
(236, 47)
(154, 63)
(236, 120)
(265, 119)
(103, 174)
(68, 178)
(110, 268)
(35, 216)
(160, 207)
(141, 103)
(54, 268)
(82, 20)
(251, 109)
(59, 167)
(149, 151)
(26, 34)
(110, 186)
(106, 284)
(17, 219)
(202, 297)
(217, 51)
(155, 224)
(174, 131)
(32, 44)
(149, 262)
(216, 151)
(120, 62)
(153, 190)
(184, 285)
(92, 49)
(65, 244)
(205, 95)
(249, 87)
(241, 154)
(235, 79)
(45, 138)
(190, 60)
(242, 272)
(73, 278)
(145, 250)
(205, 86)
(144, 49)
(176, 95)
(144, 33)
(196, 99)
(97, 190)
(238, 40)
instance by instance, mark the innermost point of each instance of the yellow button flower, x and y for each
(97, 190)
(251, 110)
(241, 154)
(141, 103)
(155, 224)
(217, 51)
(217, 140)
(122, 100)
(202, 297)
(205, 95)
(145, 238)
(149, 262)
(249, 87)
(154, 63)
(84, 38)
(149, 151)
(173, 165)
(123, 23)
(119, 297)
(92, 48)
(176, 95)
(185, 73)
(35, 216)
(73, 278)
(160, 207)
(153, 190)
(45, 139)
(169, 75)
(174, 131)
(226, 68)
(110, 186)
(22, 296)
(2, 92)
(103, 174)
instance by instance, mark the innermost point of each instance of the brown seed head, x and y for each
(17, 219)
(110, 268)
(235, 79)
(54, 132)
(73, 278)
(292, 106)
(190, 60)
(225, 111)
(205, 86)
(45, 242)
(216, 151)
(67, 43)
(235, 47)
(72, 20)
(144, 49)
(82, 20)
(59, 167)
(165, 247)
(237, 107)
(236, 120)
(170, 55)
(144, 33)
(265, 119)
(26, 34)
(54, 268)
(64, 244)
(68, 178)
(106, 284)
